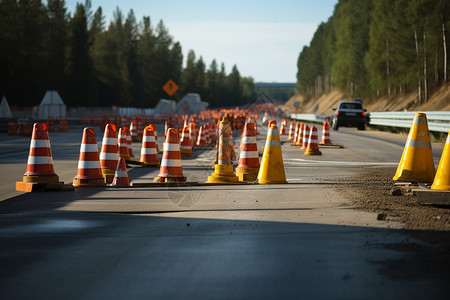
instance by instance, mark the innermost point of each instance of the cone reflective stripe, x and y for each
(171, 168)
(186, 145)
(201, 141)
(89, 172)
(325, 134)
(109, 154)
(223, 170)
(129, 143)
(304, 137)
(313, 144)
(133, 131)
(442, 178)
(248, 167)
(122, 143)
(40, 161)
(291, 131)
(272, 167)
(416, 163)
(121, 175)
(148, 151)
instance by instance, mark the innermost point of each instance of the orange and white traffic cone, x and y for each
(89, 172)
(207, 134)
(326, 134)
(223, 170)
(313, 144)
(192, 133)
(186, 145)
(297, 127)
(133, 131)
(283, 128)
(121, 175)
(201, 141)
(122, 143)
(40, 161)
(129, 143)
(291, 131)
(171, 169)
(109, 154)
(248, 167)
(300, 138)
(305, 137)
(148, 151)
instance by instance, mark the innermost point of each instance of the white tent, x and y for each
(51, 106)
(190, 104)
(165, 106)
(5, 111)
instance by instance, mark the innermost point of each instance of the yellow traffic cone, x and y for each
(272, 167)
(442, 178)
(416, 164)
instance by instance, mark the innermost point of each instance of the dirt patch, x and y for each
(426, 255)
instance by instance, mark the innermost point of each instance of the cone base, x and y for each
(120, 182)
(169, 179)
(409, 176)
(312, 152)
(247, 174)
(223, 174)
(40, 178)
(126, 157)
(150, 164)
(88, 182)
(326, 143)
(262, 181)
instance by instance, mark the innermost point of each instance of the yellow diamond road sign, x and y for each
(170, 87)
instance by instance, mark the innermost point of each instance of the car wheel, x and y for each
(335, 126)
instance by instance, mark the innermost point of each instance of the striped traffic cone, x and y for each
(283, 128)
(171, 169)
(416, 164)
(271, 170)
(313, 144)
(148, 151)
(40, 161)
(248, 167)
(122, 143)
(291, 131)
(304, 137)
(133, 131)
(296, 133)
(121, 175)
(207, 134)
(223, 170)
(326, 134)
(129, 143)
(109, 154)
(89, 172)
(201, 141)
(300, 137)
(192, 133)
(186, 145)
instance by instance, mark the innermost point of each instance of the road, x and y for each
(301, 239)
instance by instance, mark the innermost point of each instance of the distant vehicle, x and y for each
(349, 114)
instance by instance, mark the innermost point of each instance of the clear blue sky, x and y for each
(263, 38)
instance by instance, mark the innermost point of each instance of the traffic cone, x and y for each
(186, 145)
(416, 164)
(325, 134)
(274, 122)
(192, 133)
(133, 131)
(300, 137)
(109, 154)
(296, 133)
(207, 134)
(148, 151)
(223, 170)
(442, 178)
(201, 141)
(291, 131)
(122, 143)
(304, 137)
(40, 161)
(129, 143)
(89, 172)
(313, 144)
(248, 167)
(171, 169)
(121, 175)
(156, 137)
(272, 167)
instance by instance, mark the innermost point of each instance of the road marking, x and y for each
(344, 163)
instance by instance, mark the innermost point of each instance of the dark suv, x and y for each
(349, 114)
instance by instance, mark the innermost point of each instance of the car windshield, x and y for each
(351, 105)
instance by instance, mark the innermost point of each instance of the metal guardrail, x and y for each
(438, 121)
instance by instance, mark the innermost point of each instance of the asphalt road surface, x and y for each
(291, 241)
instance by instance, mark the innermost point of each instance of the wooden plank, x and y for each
(433, 197)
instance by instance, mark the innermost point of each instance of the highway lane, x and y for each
(252, 241)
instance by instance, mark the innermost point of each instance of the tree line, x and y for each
(91, 63)
(378, 47)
